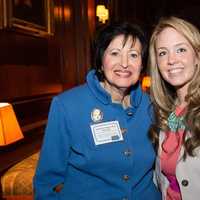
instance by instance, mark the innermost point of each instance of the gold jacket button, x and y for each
(127, 152)
(185, 183)
(130, 113)
(126, 177)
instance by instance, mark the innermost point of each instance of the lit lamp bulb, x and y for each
(102, 13)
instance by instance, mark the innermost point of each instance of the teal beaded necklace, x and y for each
(175, 122)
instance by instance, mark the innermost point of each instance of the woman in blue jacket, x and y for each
(96, 144)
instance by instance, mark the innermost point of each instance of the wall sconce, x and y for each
(102, 13)
(9, 128)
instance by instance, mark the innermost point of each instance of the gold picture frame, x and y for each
(28, 16)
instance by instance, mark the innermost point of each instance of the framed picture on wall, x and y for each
(33, 17)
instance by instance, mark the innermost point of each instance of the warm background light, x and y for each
(102, 13)
(146, 83)
(9, 128)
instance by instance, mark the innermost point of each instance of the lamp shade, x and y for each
(9, 128)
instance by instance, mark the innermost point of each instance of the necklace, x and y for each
(176, 121)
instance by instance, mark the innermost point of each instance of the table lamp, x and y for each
(10, 131)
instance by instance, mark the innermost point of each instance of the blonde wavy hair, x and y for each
(164, 96)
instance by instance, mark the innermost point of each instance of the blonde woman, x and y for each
(175, 92)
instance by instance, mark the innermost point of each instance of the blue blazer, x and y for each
(118, 170)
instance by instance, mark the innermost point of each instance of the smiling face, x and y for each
(176, 58)
(122, 63)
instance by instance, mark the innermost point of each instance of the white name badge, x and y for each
(106, 132)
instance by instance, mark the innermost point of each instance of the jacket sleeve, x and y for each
(52, 164)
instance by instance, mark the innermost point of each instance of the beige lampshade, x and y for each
(9, 128)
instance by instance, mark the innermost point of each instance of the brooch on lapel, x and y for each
(96, 115)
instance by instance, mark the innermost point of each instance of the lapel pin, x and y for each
(96, 115)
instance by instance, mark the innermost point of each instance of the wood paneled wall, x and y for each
(147, 13)
(34, 69)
